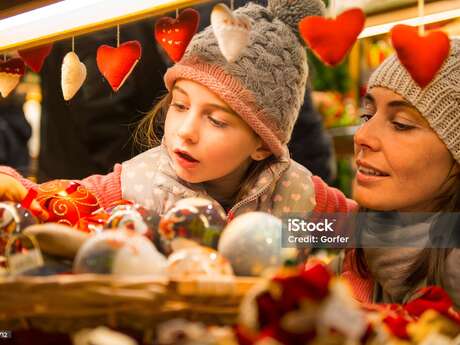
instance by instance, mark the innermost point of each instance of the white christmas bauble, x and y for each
(252, 243)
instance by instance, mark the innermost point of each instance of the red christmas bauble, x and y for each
(66, 201)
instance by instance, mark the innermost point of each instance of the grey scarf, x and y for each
(393, 243)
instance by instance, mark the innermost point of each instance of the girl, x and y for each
(407, 153)
(226, 127)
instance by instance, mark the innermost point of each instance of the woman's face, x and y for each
(206, 140)
(401, 163)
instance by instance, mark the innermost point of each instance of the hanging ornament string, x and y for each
(232, 5)
(73, 44)
(332, 13)
(421, 14)
(118, 36)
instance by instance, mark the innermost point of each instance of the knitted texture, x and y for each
(266, 84)
(438, 102)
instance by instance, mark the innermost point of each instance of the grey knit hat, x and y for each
(266, 83)
(438, 102)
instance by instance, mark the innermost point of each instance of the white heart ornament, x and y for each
(232, 31)
(73, 75)
(8, 82)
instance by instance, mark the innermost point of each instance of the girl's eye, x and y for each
(365, 117)
(401, 126)
(178, 106)
(217, 123)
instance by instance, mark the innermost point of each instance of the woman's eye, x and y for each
(401, 126)
(217, 123)
(178, 106)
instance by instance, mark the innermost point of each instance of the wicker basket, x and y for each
(67, 303)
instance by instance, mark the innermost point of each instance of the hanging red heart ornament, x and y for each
(174, 35)
(331, 39)
(116, 64)
(35, 57)
(422, 56)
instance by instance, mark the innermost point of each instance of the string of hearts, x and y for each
(330, 39)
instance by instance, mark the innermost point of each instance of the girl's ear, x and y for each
(261, 152)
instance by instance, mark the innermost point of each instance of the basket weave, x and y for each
(67, 303)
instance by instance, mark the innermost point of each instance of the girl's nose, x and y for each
(190, 128)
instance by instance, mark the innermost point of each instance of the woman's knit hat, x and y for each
(438, 102)
(266, 83)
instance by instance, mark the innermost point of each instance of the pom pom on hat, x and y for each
(291, 12)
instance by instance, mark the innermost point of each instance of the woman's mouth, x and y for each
(366, 173)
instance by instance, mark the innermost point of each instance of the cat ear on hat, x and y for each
(232, 31)
(175, 34)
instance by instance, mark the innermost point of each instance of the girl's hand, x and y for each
(12, 190)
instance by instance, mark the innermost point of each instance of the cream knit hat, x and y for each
(438, 102)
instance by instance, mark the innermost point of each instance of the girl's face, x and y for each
(205, 138)
(401, 163)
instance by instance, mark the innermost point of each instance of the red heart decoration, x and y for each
(116, 64)
(13, 66)
(35, 57)
(422, 56)
(174, 35)
(331, 39)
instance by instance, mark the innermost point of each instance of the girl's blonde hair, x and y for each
(150, 130)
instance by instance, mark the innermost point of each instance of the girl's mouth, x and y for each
(185, 159)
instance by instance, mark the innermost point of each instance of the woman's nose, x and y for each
(189, 129)
(367, 136)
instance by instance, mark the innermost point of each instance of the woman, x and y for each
(407, 153)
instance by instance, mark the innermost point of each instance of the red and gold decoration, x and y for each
(332, 38)
(67, 202)
(174, 34)
(422, 55)
(35, 57)
(117, 63)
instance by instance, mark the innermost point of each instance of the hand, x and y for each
(12, 190)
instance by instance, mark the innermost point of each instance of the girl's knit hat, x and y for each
(438, 102)
(266, 83)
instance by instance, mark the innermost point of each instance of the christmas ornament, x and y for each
(331, 39)
(174, 35)
(197, 261)
(116, 64)
(35, 57)
(66, 201)
(119, 252)
(232, 31)
(191, 219)
(133, 217)
(73, 75)
(422, 56)
(252, 243)
(13, 219)
(10, 74)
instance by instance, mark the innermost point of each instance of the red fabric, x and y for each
(329, 199)
(362, 288)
